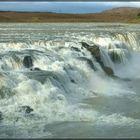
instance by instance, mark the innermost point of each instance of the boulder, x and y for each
(73, 81)
(35, 69)
(27, 61)
(25, 109)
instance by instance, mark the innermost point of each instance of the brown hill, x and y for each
(123, 14)
(123, 10)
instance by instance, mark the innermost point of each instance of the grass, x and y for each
(124, 15)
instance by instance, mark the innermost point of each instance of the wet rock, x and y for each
(85, 45)
(1, 116)
(108, 71)
(94, 50)
(114, 56)
(89, 62)
(75, 49)
(25, 109)
(27, 61)
(35, 69)
(73, 81)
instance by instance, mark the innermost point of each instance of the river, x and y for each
(52, 86)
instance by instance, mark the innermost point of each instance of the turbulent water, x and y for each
(51, 86)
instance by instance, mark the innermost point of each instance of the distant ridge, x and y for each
(123, 10)
(121, 14)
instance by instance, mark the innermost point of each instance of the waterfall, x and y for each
(47, 75)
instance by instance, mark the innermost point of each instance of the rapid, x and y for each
(69, 80)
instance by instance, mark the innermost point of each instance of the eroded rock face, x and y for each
(95, 51)
(27, 61)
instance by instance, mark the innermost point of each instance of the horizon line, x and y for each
(69, 0)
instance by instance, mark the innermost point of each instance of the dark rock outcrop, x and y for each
(75, 49)
(27, 61)
(35, 69)
(95, 51)
(25, 109)
(108, 71)
(73, 81)
(85, 45)
(1, 116)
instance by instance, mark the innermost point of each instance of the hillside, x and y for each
(124, 14)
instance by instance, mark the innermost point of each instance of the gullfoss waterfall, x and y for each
(69, 80)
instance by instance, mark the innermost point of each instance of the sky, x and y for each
(64, 7)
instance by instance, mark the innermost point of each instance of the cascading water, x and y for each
(56, 78)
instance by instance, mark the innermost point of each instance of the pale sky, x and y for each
(64, 7)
